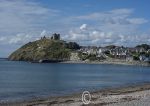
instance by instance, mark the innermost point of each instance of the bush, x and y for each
(82, 56)
(136, 58)
(73, 46)
(92, 57)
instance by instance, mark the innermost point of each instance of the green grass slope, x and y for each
(42, 49)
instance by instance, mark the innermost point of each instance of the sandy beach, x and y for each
(136, 95)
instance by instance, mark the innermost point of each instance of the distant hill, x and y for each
(145, 46)
(44, 49)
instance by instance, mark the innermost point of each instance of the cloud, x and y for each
(22, 38)
(102, 38)
(116, 26)
(2, 39)
(137, 21)
(17, 16)
(19, 38)
(121, 11)
(43, 33)
(22, 21)
(116, 13)
(117, 16)
(83, 26)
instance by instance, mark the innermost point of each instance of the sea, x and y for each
(20, 81)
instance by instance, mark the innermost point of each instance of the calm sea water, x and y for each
(22, 80)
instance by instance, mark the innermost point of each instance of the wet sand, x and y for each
(135, 95)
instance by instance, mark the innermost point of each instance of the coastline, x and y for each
(120, 96)
(114, 62)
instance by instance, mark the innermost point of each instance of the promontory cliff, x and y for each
(45, 49)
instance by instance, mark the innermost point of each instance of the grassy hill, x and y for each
(43, 49)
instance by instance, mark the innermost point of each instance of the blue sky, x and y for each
(88, 22)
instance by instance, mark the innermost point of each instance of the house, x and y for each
(147, 59)
(142, 57)
(148, 51)
(129, 58)
(83, 50)
(101, 50)
(119, 52)
(91, 51)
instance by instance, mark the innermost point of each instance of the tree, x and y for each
(111, 47)
(136, 58)
(145, 46)
(73, 45)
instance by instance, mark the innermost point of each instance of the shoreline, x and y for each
(111, 62)
(114, 62)
(107, 96)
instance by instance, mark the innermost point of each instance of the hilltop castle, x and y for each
(54, 36)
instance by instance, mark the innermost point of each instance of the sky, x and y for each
(88, 22)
